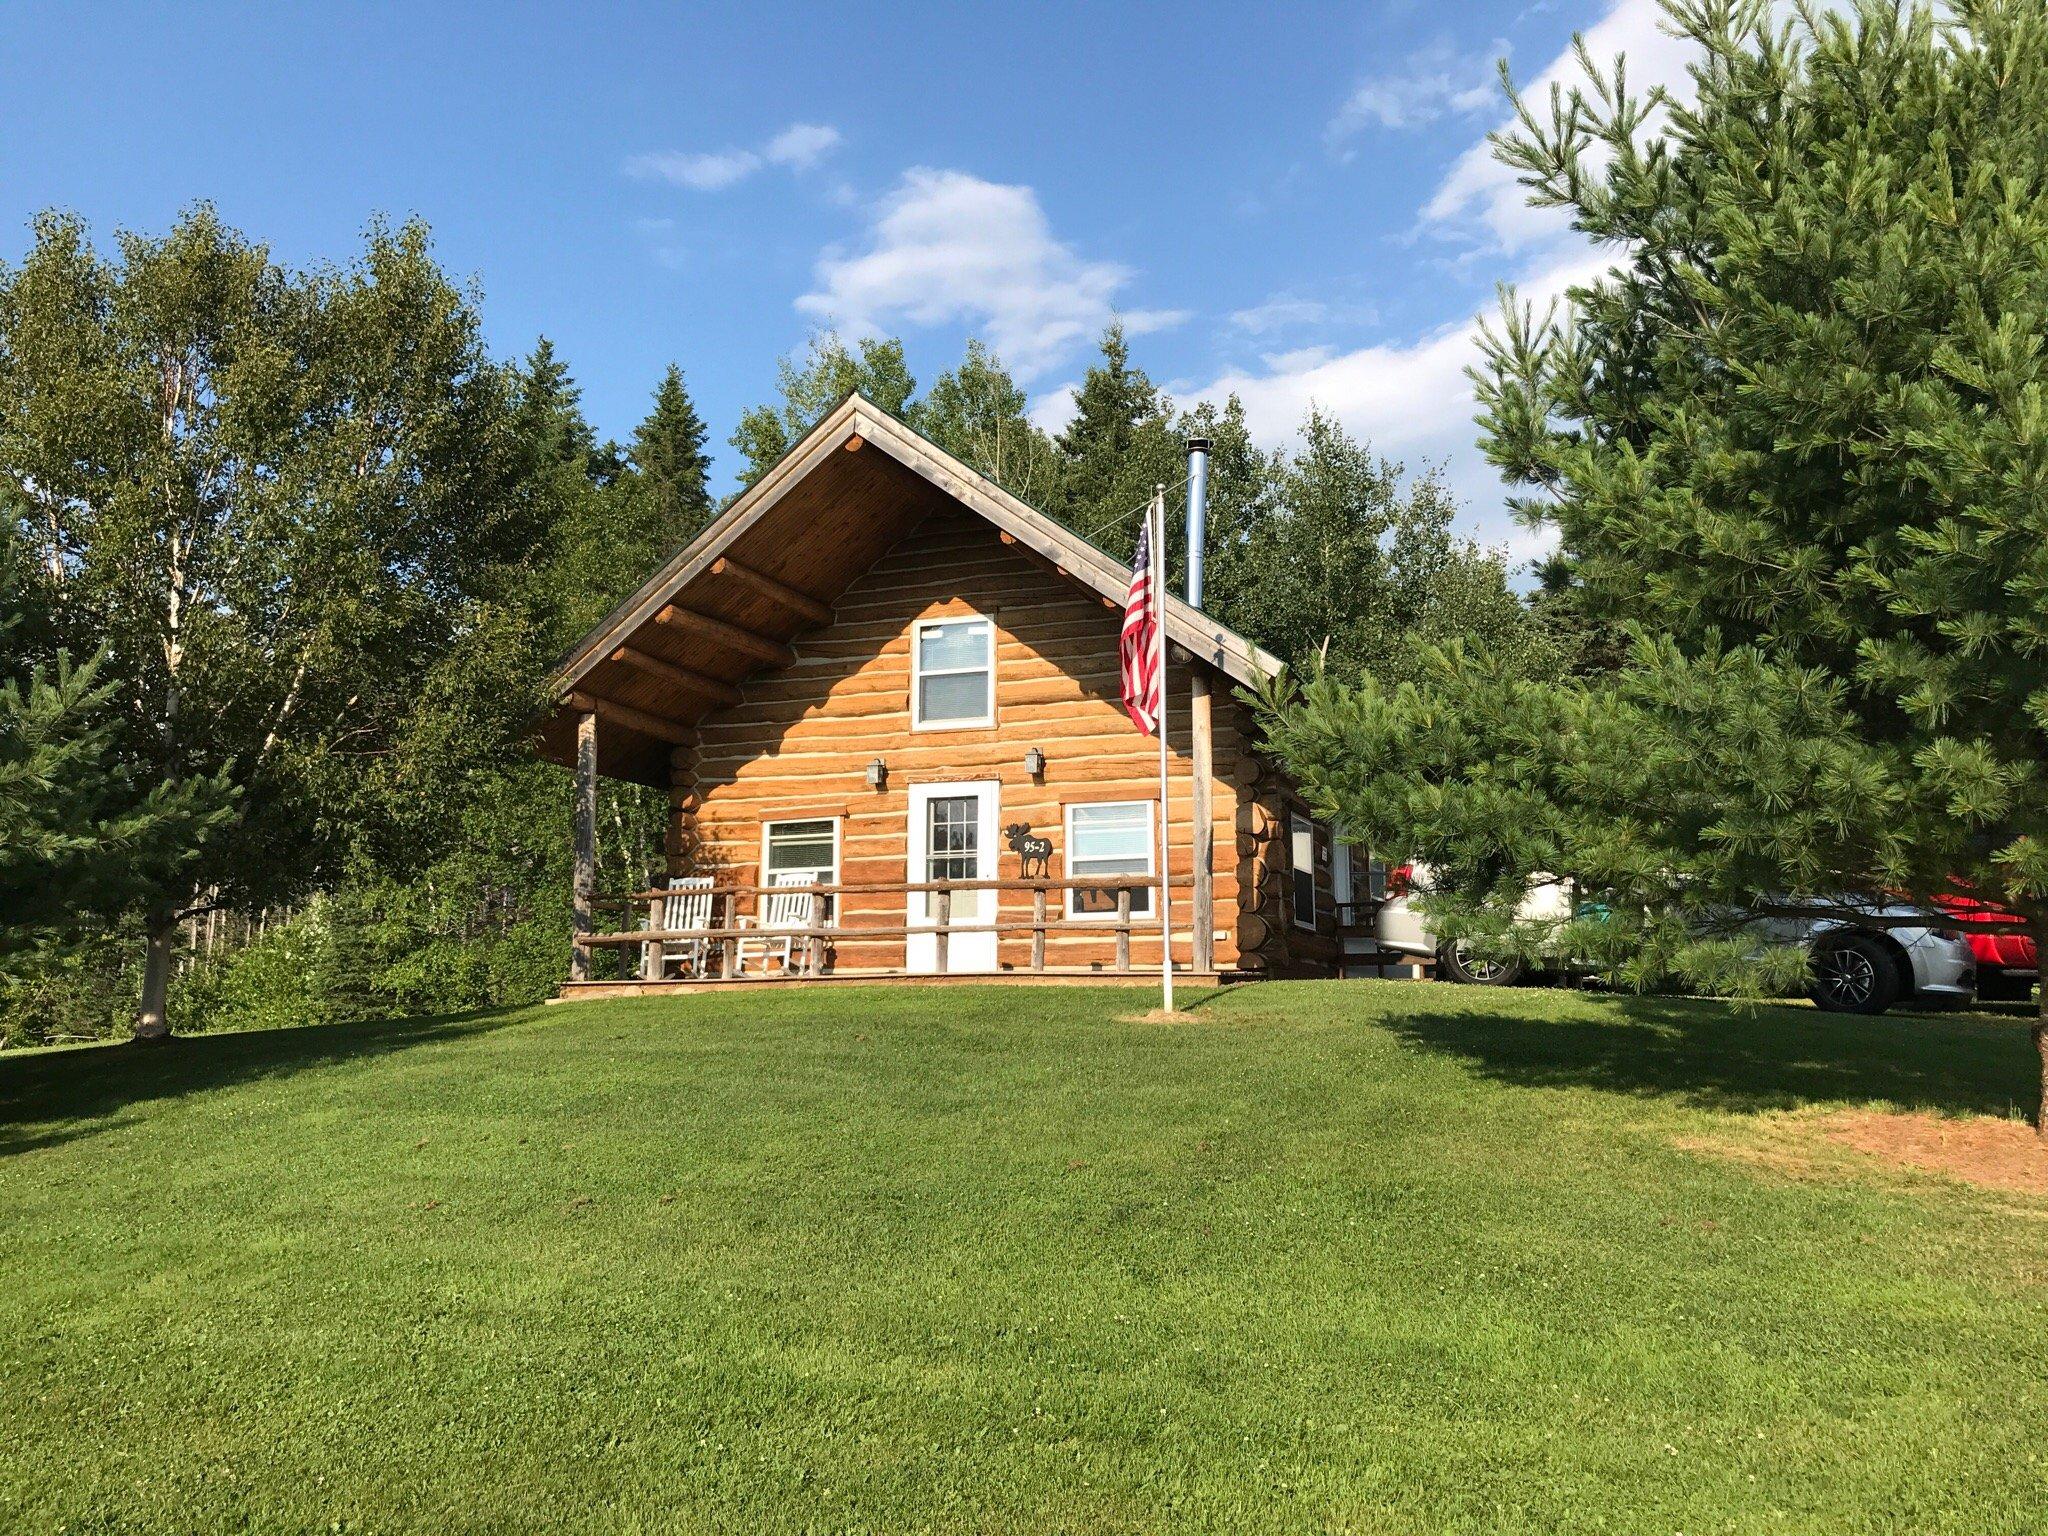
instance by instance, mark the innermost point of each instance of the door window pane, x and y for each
(952, 843)
(1113, 839)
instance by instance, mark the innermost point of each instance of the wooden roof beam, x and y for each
(632, 719)
(731, 636)
(683, 677)
(802, 603)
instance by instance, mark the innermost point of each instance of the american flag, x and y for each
(1138, 650)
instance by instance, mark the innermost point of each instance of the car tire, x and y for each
(1455, 962)
(1854, 973)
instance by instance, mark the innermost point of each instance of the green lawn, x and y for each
(1342, 1256)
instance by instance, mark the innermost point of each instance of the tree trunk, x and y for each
(152, 1019)
(2039, 933)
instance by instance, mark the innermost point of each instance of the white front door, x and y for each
(953, 837)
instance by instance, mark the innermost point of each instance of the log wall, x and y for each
(798, 743)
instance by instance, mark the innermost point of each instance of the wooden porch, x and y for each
(871, 915)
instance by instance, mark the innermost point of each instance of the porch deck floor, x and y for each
(1051, 976)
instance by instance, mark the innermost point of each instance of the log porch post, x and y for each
(1202, 760)
(586, 842)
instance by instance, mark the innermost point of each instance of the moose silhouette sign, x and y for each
(1032, 850)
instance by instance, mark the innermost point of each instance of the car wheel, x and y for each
(1457, 962)
(1853, 974)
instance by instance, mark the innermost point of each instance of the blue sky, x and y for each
(1290, 201)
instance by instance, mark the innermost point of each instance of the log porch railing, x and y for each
(941, 929)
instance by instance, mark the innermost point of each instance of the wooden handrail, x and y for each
(1100, 926)
(720, 937)
(906, 887)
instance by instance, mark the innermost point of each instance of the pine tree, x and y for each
(668, 456)
(1792, 448)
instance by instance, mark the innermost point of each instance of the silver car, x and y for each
(1902, 954)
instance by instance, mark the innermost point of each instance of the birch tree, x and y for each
(271, 496)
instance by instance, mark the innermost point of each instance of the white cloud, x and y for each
(1410, 397)
(1051, 411)
(799, 147)
(700, 173)
(1411, 400)
(802, 145)
(1278, 313)
(1481, 199)
(1433, 84)
(945, 247)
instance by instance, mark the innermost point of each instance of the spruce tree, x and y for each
(1118, 446)
(1356, 564)
(668, 456)
(550, 416)
(83, 838)
(1792, 448)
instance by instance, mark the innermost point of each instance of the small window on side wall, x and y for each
(807, 848)
(1301, 860)
(1113, 838)
(952, 673)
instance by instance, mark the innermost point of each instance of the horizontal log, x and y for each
(731, 636)
(625, 714)
(802, 604)
(683, 677)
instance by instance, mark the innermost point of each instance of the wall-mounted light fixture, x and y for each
(878, 774)
(1034, 763)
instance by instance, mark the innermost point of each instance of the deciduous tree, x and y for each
(830, 370)
(272, 496)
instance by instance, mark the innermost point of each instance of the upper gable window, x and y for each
(952, 681)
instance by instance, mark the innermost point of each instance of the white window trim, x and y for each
(1298, 822)
(832, 879)
(1151, 810)
(918, 674)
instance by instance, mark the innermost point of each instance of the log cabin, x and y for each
(883, 696)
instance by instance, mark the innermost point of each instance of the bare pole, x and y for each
(1158, 515)
(586, 842)
(1201, 723)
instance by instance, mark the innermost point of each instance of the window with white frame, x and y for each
(1112, 838)
(1301, 860)
(807, 848)
(952, 673)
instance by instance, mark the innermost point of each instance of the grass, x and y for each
(1339, 1257)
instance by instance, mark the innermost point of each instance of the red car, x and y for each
(2007, 966)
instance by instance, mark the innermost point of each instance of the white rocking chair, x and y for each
(687, 906)
(779, 909)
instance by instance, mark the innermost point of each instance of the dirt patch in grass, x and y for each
(1977, 1149)
(1980, 1150)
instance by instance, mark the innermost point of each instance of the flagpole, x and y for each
(1165, 862)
